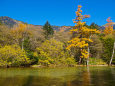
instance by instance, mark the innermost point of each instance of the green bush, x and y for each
(96, 61)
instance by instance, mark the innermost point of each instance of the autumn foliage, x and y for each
(108, 27)
(83, 34)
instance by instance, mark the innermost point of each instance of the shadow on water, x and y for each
(28, 81)
(80, 76)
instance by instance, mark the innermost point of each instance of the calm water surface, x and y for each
(79, 76)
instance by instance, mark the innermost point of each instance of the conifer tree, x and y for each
(48, 30)
(94, 26)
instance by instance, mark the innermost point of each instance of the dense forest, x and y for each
(26, 45)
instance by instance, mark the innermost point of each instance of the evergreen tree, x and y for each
(48, 30)
(94, 26)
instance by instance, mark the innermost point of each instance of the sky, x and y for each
(57, 12)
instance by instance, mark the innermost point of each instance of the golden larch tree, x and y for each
(82, 35)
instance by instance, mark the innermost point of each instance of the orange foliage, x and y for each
(108, 27)
(83, 34)
(20, 31)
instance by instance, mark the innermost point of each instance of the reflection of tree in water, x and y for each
(68, 77)
(113, 72)
(12, 81)
(102, 77)
(28, 81)
(83, 79)
(97, 76)
(35, 77)
(60, 77)
(42, 81)
(86, 77)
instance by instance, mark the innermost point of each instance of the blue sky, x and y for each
(57, 12)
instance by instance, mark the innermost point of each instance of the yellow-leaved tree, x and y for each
(82, 35)
(108, 27)
(109, 31)
(19, 33)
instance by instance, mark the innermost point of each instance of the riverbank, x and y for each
(40, 66)
(55, 66)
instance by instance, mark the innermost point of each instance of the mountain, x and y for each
(103, 27)
(12, 22)
(114, 26)
(9, 21)
(62, 28)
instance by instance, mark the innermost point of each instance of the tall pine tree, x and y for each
(48, 30)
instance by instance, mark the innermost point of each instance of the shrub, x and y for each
(96, 61)
(11, 55)
(52, 52)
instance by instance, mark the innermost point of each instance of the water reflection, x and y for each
(80, 76)
(103, 77)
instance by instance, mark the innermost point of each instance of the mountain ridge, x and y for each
(10, 22)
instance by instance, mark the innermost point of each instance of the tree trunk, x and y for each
(88, 57)
(112, 54)
(87, 63)
(22, 44)
(79, 60)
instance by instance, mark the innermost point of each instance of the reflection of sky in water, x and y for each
(79, 76)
